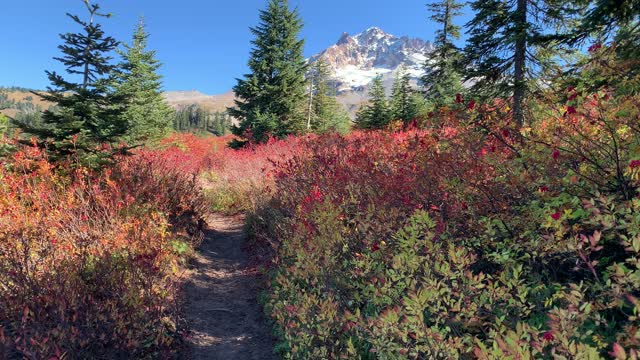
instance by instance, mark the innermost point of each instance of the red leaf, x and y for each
(595, 47)
(618, 352)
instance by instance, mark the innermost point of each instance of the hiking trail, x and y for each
(224, 316)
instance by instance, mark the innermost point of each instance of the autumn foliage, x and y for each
(467, 237)
(89, 262)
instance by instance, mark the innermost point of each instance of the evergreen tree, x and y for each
(403, 102)
(192, 118)
(604, 18)
(221, 124)
(376, 114)
(443, 79)
(197, 119)
(4, 125)
(146, 111)
(271, 99)
(87, 120)
(616, 22)
(502, 49)
(325, 113)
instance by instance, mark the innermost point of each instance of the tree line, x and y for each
(515, 48)
(197, 119)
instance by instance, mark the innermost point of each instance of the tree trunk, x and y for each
(310, 105)
(519, 91)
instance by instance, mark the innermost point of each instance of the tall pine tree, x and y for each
(148, 114)
(376, 114)
(271, 99)
(87, 121)
(442, 79)
(505, 36)
(325, 113)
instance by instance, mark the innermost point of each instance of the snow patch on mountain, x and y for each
(352, 76)
(356, 60)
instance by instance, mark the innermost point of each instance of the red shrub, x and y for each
(87, 260)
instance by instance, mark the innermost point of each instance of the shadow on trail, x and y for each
(225, 318)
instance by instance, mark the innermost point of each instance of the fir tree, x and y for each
(87, 121)
(376, 114)
(403, 102)
(502, 49)
(443, 79)
(192, 118)
(146, 111)
(325, 113)
(616, 22)
(4, 125)
(271, 99)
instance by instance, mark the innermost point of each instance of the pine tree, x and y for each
(502, 49)
(616, 22)
(376, 114)
(443, 79)
(87, 121)
(271, 99)
(146, 111)
(403, 102)
(325, 113)
(4, 125)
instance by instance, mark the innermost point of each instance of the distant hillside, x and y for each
(211, 102)
(14, 100)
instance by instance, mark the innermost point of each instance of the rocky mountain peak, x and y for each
(344, 39)
(356, 59)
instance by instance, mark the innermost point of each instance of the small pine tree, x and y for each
(376, 114)
(271, 99)
(325, 113)
(146, 110)
(4, 125)
(403, 102)
(504, 49)
(442, 79)
(87, 121)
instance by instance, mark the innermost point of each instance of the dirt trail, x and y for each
(225, 318)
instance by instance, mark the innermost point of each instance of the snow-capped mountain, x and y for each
(356, 60)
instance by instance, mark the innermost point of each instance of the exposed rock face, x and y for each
(356, 60)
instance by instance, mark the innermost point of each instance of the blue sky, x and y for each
(203, 44)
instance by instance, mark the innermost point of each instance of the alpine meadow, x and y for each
(472, 195)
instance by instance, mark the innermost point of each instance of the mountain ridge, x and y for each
(354, 61)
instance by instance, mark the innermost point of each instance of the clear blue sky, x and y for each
(203, 44)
